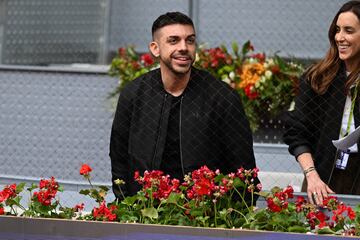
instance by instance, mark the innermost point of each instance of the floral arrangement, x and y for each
(267, 85)
(205, 198)
(128, 65)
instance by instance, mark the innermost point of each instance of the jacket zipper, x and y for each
(180, 145)
(159, 132)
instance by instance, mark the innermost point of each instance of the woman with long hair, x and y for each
(327, 109)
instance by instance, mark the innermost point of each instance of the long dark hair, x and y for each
(323, 73)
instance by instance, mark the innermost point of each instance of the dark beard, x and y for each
(173, 70)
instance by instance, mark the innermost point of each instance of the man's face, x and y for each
(175, 47)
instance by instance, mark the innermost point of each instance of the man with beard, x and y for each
(177, 118)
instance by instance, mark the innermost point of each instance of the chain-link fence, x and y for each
(54, 118)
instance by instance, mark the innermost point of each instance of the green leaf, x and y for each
(235, 48)
(173, 198)
(85, 191)
(298, 229)
(32, 187)
(219, 177)
(20, 187)
(151, 213)
(275, 189)
(104, 188)
(60, 188)
(196, 212)
(129, 201)
(228, 68)
(325, 230)
(238, 183)
(263, 194)
(246, 47)
(10, 202)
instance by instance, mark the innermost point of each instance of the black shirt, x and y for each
(171, 162)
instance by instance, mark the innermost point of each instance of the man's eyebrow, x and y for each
(177, 36)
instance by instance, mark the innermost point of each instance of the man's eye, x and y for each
(172, 41)
(191, 40)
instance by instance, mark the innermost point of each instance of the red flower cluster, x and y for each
(147, 60)
(47, 192)
(279, 201)
(104, 213)
(85, 170)
(158, 184)
(203, 183)
(9, 191)
(259, 56)
(300, 203)
(275, 69)
(339, 213)
(317, 218)
(250, 92)
(248, 177)
(79, 207)
(215, 57)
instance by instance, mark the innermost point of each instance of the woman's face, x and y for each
(347, 39)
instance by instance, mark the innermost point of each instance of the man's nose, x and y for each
(183, 46)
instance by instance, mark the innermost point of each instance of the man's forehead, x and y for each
(180, 30)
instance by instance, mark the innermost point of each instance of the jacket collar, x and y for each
(156, 80)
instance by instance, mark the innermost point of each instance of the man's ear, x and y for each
(154, 49)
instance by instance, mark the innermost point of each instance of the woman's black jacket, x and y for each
(315, 122)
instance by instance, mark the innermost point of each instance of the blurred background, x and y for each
(55, 113)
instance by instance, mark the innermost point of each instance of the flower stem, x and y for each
(247, 221)
(121, 192)
(242, 198)
(215, 214)
(88, 178)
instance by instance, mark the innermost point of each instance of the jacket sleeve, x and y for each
(301, 124)
(119, 142)
(237, 135)
(238, 141)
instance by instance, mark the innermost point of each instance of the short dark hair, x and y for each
(170, 18)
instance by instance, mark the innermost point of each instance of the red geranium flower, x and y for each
(273, 207)
(351, 213)
(104, 213)
(147, 59)
(79, 207)
(85, 169)
(8, 192)
(204, 184)
(2, 211)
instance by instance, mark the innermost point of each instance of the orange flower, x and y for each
(250, 74)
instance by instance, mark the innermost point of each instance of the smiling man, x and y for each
(177, 118)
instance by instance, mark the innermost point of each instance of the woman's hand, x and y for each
(317, 190)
